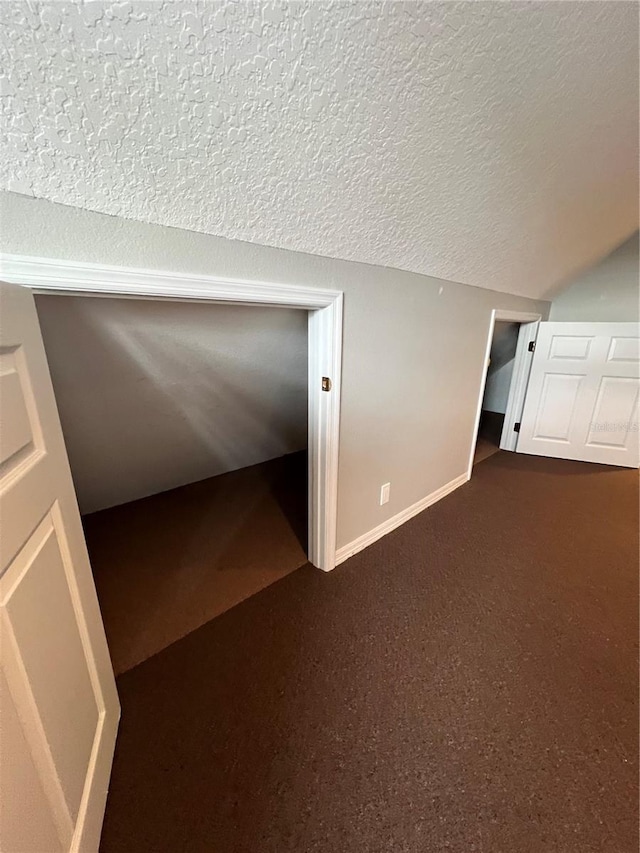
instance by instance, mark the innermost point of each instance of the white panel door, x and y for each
(59, 709)
(582, 397)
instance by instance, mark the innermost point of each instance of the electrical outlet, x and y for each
(384, 493)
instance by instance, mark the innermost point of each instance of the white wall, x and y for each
(502, 356)
(607, 292)
(414, 346)
(155, 394)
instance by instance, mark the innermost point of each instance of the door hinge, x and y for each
(326, 383)
(532, 346)
(516, 427)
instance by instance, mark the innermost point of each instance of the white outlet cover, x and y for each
(384, 493)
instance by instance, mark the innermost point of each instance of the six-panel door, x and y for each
(582, 397)
(58, 704)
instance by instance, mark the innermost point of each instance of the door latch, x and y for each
(532, 346)
(326, 383)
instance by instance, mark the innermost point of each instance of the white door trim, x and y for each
(44, 275)
(520, 370)
(519, 381)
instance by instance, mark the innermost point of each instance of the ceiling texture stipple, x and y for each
(488, 143)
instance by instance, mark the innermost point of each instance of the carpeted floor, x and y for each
(484, 449)
(467, 683)
(489, 432)
(166, 564)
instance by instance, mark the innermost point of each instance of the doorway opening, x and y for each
(186, 431)
(322, 310)
(505, 373)
(496, 390)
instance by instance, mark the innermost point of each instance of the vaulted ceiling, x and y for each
(489, 143)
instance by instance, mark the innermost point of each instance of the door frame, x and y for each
(325, 310)
(529, 323)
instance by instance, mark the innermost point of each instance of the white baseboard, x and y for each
(390, 524)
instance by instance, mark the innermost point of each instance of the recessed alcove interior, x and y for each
(186, 429)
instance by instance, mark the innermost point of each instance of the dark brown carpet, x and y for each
(468, 683)
(489, 432)
(166, 564)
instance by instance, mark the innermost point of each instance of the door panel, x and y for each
(570, 346)
(624, 349)
(582, 398)
(17, 433)
(557, 406)
(44, 624)
(24, 802)
(59, 685)
(616, 403)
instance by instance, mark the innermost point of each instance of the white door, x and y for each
(582, 398)
(58, 704)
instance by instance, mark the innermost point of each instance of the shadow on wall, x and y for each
(606, 292)
(169, 393)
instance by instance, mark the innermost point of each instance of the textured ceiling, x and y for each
(489, 143)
